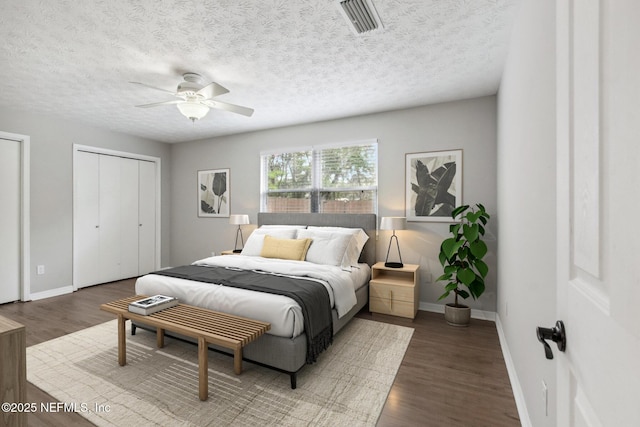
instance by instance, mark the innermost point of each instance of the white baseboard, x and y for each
(475, 314)
(51, 293)
(516, 387)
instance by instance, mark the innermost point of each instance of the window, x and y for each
(328, 179)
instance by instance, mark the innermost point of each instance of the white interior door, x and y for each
(116, 217)
(598, 243)
(128, 217)
(147, 218)
(86, 223)
(10, 222)
(110, 218)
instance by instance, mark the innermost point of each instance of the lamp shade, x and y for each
(240, 219)
(193, 110)
(393, 223)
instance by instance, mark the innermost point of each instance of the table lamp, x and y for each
(238, 220)
(393, 223)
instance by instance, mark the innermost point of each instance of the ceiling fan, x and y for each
(195, 98)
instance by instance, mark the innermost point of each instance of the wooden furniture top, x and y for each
(406, 268)
(8, 325)
(217, 328)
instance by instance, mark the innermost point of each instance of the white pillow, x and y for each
(290, 227)
(327, 247)
(254, 243)
(355, 246)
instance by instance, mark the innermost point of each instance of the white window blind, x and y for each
(340, 178)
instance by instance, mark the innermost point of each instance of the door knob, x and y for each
(556, 334)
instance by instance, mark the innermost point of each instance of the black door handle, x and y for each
(556, 334)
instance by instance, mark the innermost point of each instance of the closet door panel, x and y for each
(109, 218)
(114, 218)
(147, 218)
(86, 231)
(128, 218)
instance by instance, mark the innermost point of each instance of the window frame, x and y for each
(316, 189)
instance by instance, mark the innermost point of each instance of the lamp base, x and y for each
(393, 264)
(237, 251)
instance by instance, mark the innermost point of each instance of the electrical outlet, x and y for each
(40, 269)
(545, 398)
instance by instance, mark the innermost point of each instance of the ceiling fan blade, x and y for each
(229, 107)
(157, 104)
(212, 89)
(153, 87)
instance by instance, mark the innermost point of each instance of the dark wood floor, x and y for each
(449, 376)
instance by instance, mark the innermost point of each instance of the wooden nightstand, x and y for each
(394, 290)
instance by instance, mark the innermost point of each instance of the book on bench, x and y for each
(152, 304)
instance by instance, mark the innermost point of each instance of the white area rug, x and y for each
(347, 386)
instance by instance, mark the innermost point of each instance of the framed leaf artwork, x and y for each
(433, 185)
(213, 193)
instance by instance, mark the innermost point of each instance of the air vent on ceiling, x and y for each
(361, 14)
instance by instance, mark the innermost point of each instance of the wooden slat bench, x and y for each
(206, 326)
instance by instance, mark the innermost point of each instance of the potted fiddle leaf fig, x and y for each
(461, 256)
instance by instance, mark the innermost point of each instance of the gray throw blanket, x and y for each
(311, 295)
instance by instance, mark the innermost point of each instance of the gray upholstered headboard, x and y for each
(367, 222)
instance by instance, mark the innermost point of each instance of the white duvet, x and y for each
(284, 314)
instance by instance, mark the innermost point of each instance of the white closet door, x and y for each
(10, 167)
(147, 218)
(110, 222)
(86, 227)
(128, 217)
(115, 218)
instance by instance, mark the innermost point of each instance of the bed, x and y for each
(295, 338)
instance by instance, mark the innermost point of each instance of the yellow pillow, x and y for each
(294, 249)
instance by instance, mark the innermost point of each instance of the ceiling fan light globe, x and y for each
(192, 110)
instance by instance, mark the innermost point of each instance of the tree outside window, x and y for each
(328, 179)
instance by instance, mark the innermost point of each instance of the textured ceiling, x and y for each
(292, 61)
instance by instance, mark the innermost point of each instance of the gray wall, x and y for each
(51, 177)
(527, 202)
(469, 125)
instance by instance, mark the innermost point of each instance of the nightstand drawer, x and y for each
(395, 292)
(393, 307)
